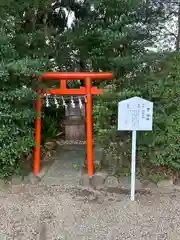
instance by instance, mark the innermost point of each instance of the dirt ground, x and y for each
(72, 213)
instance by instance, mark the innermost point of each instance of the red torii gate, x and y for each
(88, 90)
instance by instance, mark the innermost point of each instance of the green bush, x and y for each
(51, 123)
(16, 104)
(48, 130)
(161, 146)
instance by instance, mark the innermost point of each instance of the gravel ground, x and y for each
(73, 213)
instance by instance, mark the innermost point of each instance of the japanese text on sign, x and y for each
(135, 114)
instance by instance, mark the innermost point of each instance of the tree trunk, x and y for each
(178, 35)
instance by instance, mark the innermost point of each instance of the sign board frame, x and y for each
(135, 114)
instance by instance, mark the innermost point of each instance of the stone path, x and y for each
(67, 166)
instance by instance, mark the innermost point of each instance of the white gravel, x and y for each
(71, 213)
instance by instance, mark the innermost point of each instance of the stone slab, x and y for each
(73, 147)
(165, 183)
(111, 181)
(125, 182)
(98, 179)
(66, 168)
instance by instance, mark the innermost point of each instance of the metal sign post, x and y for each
(133, 166)
(135, 114)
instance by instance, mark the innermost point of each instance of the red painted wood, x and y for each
(75, 75)
(71, 91)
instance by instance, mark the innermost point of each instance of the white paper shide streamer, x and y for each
(64, 103)
(56, 102)
(47, 100)
(80, 103)
(61, 101)
(72, 102)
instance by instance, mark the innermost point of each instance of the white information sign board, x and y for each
(135, 114)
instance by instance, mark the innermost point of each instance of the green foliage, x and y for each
(162, 86)
(110, 36)
(30, 34)
(51, 121)
(16, 104)
(49, 129)
(124, 34)
(138, 72)
(158, 83)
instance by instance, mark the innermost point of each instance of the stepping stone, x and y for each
(125, 182)
(147, 183)
(111, 181)
(167, 183)
(98, 179)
